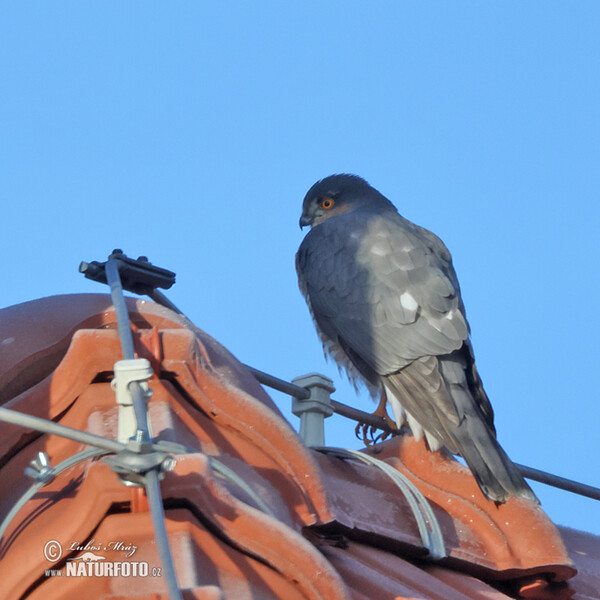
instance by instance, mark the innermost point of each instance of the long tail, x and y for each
(496, 475)
(439, 402)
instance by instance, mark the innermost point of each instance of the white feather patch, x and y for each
(401, 414)
(397, 409)
(408, 302)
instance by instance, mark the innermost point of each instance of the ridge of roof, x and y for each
(340, 518)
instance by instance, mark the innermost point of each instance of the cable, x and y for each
(427, 523)
(219, 468)
(91, 439)
(47, 475)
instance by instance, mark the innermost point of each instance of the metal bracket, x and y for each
(136, 370)
(137, 275)
(314, 410)
(131, 466)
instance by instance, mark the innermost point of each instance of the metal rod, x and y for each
(299, 392)
(160, 298)
(160, 533)
(562, 483)
(279, 384)
(151, 478)
(45, 426)
(116, 292)
(360, 416)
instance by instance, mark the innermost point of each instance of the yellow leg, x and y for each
(366, 432)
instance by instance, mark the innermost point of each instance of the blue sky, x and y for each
(190, 132)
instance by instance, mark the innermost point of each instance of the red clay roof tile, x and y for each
(337, 528)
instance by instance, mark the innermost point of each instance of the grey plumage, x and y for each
(386, 303)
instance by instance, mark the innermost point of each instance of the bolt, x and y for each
(39, 468)
(168, 463)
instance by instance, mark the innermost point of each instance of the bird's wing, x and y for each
(383, 287)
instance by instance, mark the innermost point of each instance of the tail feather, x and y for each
(496, 475)
(452, 417)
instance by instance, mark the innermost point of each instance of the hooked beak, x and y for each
(304, 221)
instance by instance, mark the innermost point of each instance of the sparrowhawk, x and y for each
(387, 306)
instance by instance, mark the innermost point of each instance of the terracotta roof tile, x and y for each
(302, 525)
(584, 550)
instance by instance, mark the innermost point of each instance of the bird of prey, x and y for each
(387, 306)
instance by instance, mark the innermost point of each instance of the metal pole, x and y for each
(559, 482)
(160, 533)
(151, 477)
(160, 298)
(360, 416)
(116, 292)
(279, 384)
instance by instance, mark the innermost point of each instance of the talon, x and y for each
(368, 433)
(384, 435)
(358, 431)
(381, 436)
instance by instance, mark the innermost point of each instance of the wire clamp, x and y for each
(132, 466)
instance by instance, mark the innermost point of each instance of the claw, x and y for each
(367, 433)
(384, 435)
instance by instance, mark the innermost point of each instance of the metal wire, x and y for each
(427, 523)
(234, 478)
(38, 485)
(279, 384)
(221, 469)
(91, 439)
(104, 445)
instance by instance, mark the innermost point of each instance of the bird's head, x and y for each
(338, 194)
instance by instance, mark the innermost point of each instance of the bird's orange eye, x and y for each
(327, 203)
